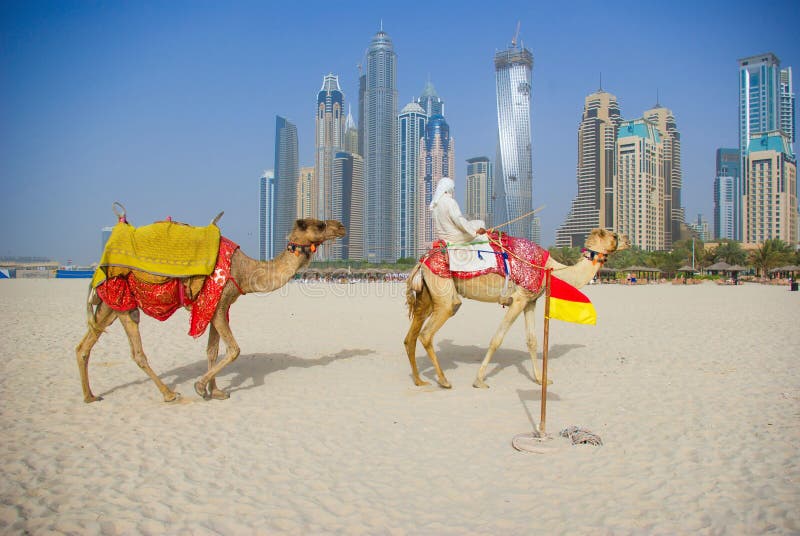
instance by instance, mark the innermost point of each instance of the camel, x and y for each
(248, 275)
(435, 303)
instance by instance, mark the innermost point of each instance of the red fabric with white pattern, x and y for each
(525, 261)
(160, 301)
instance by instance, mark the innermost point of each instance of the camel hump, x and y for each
(217, 218)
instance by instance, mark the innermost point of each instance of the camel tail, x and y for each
(415, 290)
(91, 300)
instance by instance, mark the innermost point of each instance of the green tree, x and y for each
(627, 257)
(772, 253)
(563, 255)
(731, 252)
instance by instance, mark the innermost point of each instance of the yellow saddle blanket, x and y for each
(164, 248)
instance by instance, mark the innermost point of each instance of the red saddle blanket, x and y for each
(522, 259)
(161, 300)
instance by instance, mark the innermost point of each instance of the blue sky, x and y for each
(169, 107)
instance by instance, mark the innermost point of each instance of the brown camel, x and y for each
(435, 302)
(249, 274)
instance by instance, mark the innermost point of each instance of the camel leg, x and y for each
(530, 337)
(212, 352)
(104, 317)
(511, 315)
(220, 322)
(421, 312)
(130, 321)
(441, 313)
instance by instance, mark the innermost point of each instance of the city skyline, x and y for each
(120, 100)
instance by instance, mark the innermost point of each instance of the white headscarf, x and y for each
(444, 185)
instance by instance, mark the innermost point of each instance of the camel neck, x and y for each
(580, 273)
(266, 276)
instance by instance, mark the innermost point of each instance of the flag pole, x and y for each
(545, 345)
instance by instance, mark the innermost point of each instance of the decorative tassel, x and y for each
(313, 247)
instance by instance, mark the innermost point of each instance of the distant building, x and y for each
(770, 189)
(639, 184)
(379, 144)
(436, 159)
(478, 202)
(287, 171)
(266, 216)
(326, 198)
(673, 177)
(514, 165)
(348, 170)
(727, 194)
(409, 204)
(430, 101)
(351, 144)
(305, 184)
(105, 234)
(700, 228)
(593, 205)
(787, 105)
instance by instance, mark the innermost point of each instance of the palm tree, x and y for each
(772, 253)
(731, 252)
(564, 255)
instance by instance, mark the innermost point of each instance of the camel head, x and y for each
(606, 242)
(309, 231)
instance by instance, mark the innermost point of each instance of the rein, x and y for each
(594, 256)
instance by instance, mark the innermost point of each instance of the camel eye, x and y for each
(320, 227)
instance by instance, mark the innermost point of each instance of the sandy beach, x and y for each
(694, 390)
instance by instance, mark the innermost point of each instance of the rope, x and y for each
(518, 218)
(579, 435)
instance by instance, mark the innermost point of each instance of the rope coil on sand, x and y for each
(578, 435)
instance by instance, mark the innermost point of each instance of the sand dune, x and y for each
(695, 391)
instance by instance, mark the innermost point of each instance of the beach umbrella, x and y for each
(687, 268)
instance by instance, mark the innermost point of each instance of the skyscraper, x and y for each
(770, 189)
(411, 122)
(479, 190)
(436, 160)
(430, 101)
(287, 171)
(327, 200)
(639, 184)
(380, 142)
(727, 193)
(266, 215)
(351, 144)
(787, 104)
(513, 170)
(348, 170)
(593, 205)
(766, 109)
(673, 176)
(305, 183)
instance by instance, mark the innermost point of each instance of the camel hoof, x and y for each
(219, 394)
(445, 384)
(421, 383)
(172, 397)
(480, 384)
(90, 399)
(201, 390)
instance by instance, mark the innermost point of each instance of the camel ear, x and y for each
(301, 224)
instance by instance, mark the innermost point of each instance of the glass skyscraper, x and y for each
(673, 175)
(430, 100)
(266, 215)
(287, 172)
(593, 205)
(479, 191)
(727, 193)
(437, 154)
(409, 206)
(327, 201)
(380, 143)
(513, 169)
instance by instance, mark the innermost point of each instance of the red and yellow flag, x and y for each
(569, 304)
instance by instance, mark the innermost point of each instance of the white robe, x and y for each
(461, 235)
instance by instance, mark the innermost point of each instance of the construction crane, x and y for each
(516, 36)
